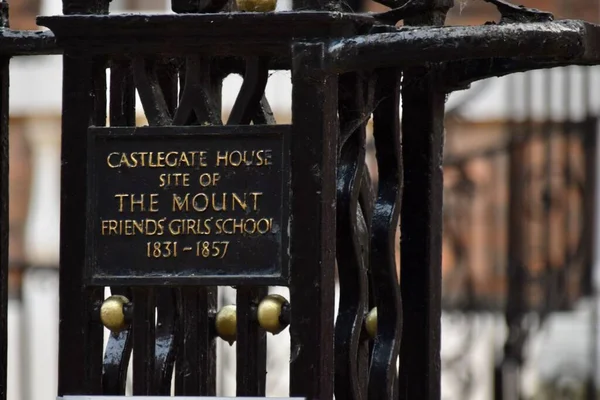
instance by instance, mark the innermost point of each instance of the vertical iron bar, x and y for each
(196, 357)
(352, 244)
(188, 358)
(208, 294)
(383, 374)
(118, 349)
(122, 94)
(206, 339)
(421, 225)
(548, 195)
(518, 240)
(80, 349)
(84, 104)
(513, 231)
(590, 143)
(567, 128)
(588, 136)
(251, 349)
(313, 165)
(85, 6)
(144, 338)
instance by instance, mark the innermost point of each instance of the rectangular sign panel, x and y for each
(176, 205)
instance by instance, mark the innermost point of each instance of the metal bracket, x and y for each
(512, 13)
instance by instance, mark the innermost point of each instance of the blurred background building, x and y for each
(523, 145)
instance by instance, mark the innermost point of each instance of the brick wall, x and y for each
(22, 13)
(475, 12)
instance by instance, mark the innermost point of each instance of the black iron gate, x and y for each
(163, 215)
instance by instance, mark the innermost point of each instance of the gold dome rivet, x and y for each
(226, 323)
(269, 313)
(112, 313)
(371, 323)
(256, 5)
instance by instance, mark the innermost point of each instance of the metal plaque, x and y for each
(177, 205)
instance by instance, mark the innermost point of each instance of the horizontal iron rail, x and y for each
(216, 35)
(27, 43)
(571, 41)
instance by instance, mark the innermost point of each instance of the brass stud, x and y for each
(256, 5)
(269, 313)
(371, 323)
(112, 313)
(226, 324)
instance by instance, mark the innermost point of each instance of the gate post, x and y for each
(421, 232)
(84, 105)
(313, 165)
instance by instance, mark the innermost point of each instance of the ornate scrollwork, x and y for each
(352, 241)
(384, 226)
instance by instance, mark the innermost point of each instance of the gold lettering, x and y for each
(191, 226)
(241, 203)
(133, 202)
(259, 158)
(202, 159)
(204, 180)
(195, 202)
(176, 179)
(238, 226)
(183, 159)
(207, 226)
(124, 160)
(161, 159)
(133, 160)
(173, 162)
(223, 202)
(143, 155)
(267, 225)
(120, 197)
(221, 157)
(192, 155)
(151, 161)
(111, 165)
(232, 161)
(175, 227)
(153, 202)
(131, 227)
(237, 158)
(255, 194)
(268, 157)
(139, 227)
(105, 225)
(248, 230)
(128, 227)
(179, 204)
(112, 227)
